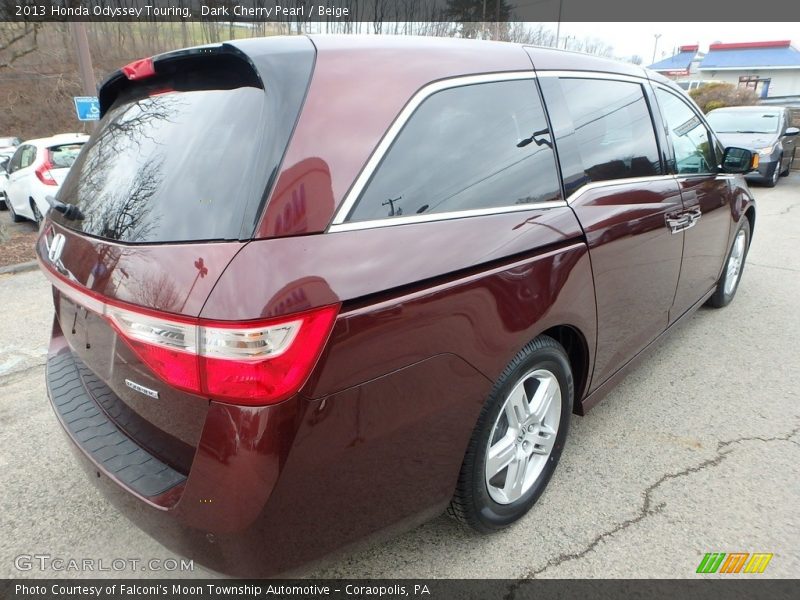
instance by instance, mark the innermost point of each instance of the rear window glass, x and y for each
(64, 156)
(169, 166)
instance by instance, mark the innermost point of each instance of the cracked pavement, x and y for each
(697, 450)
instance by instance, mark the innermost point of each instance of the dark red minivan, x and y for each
(312, 288)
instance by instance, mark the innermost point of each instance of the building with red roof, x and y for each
(771, 68)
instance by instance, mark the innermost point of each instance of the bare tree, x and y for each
(17, 40)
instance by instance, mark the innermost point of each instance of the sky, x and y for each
(638, 38)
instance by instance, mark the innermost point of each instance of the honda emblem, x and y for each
(56, 247)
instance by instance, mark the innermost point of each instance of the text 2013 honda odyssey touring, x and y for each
(309, 289)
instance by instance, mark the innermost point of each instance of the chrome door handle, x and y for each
(678, 223)
(683, 221)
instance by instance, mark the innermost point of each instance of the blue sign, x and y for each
(87, 107)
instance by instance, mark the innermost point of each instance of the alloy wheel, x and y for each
(734, 267)
(523, 436)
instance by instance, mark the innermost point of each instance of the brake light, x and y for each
(252, 363)
(139, 69)
(43, 170)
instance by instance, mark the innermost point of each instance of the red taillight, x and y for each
(43, 170)
(254, 363)
(179, 369)
(139, 69)
(276, 377)
(251, 362)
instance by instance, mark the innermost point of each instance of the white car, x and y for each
(36, 170)
(5, 157)
(9, 144)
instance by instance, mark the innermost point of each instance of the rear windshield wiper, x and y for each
(70, 211)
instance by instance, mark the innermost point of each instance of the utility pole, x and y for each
(88, 83)
(655, 47)
(558, 27)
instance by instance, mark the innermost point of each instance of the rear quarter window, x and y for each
(478, 146)
(27, 156)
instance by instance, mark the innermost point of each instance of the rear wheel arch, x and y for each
(574, 342)
(473, 502)
(750, 215)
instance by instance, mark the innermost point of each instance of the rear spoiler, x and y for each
(182, 70)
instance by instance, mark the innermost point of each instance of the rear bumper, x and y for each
(273, 488)
(105, 444)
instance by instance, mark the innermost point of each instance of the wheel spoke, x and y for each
(500, 455)
(515, 478)
(517, 408)
(544, 441)
(542, 399)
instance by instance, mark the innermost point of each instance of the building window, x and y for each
(757, 84)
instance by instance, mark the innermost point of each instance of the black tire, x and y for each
(772, 180)
(14, 216)
(472, 503)
(789, 165)
(3, 202)
(37, 216)
(721, 297)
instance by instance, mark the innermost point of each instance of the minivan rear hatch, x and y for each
(162, 196)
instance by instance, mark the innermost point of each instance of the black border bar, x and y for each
(704, 587)
(711, 11)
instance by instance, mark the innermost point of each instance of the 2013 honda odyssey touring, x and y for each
(308, 289)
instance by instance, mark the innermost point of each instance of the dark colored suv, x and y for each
(764, 130)
(310, 289)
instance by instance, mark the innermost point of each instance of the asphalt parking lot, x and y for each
(697, 451)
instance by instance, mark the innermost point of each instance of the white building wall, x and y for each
(784, 82)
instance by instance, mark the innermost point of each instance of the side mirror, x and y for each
(739, 160)
(792, 131)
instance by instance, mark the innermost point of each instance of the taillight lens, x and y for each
(243, 363)
(252, 362)
(270, 361)
(43, 170)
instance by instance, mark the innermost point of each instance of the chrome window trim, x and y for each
(338, 224)
(594, 75)
(444, 216)
(612, 182)
(391, 134)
